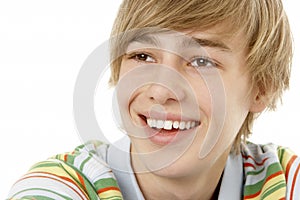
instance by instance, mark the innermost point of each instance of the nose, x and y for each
(168, 86)
(160, 94)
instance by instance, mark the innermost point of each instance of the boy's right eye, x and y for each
(141, 57)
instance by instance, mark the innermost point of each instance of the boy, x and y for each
(190, 77)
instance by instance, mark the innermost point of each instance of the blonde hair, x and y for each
(264, 23)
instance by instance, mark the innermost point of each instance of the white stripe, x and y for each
(46, 183)
(102, 176)
(79, 159)
(94, 169)
(37, 193)
(70, 184)
(291, 176)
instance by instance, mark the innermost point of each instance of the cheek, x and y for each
(201, 90)
(237, 103)
(210, 91)
(126, 66)
(123, 69)
(202, 93)
(237, 93)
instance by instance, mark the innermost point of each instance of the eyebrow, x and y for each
(187, 42)
(146, 39)
(211, 43)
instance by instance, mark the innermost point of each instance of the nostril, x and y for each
(143, 118)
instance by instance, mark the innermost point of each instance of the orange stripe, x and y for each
(294, 181)
(288, 167)
(106, 189)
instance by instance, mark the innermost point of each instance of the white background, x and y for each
(42, 47)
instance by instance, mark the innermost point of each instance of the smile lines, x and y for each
(169, 124)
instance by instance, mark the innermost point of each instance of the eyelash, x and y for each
(203, 59)
(136, 54)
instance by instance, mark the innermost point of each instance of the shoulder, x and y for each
(270, 170)
(80, 174)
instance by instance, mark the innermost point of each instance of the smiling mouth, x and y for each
(170, 124)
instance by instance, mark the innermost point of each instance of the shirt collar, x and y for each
(232, 180)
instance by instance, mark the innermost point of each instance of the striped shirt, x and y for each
(101, 171)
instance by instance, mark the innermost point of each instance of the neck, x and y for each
(154, 187)
(202, 184)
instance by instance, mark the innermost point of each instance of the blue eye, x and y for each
(202, 62)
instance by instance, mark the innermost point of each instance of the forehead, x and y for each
(174, 41)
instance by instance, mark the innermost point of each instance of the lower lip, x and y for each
(164, 137)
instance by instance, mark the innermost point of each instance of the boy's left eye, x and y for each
(202, 62)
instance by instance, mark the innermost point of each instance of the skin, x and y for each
(182, 178)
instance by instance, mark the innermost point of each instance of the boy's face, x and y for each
(183, 98)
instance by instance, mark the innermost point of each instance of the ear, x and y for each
(258, 103)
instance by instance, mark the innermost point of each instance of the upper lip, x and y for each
(167, 116)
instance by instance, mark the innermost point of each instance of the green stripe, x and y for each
(273, 188)
(36, 197)
(89, 189)
(106, 182)
(88, 186)
(45, 164)
(41, 197)
(112, 198)
(256, 172)
(281, 151)
(84, 162)
(95, 143)
(252, 189)
(80, 147)
(70, 159)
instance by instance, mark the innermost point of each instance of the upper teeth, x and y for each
(169, 124)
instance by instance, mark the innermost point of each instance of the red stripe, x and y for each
(267, 179)
(35, 176)
(81, 180)
(65, 157)
(107, 188)
(257, 163)
(294, 181)
(252, 195)
(288, 167)
(274, 175)
(62, 177)
(249, 165)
